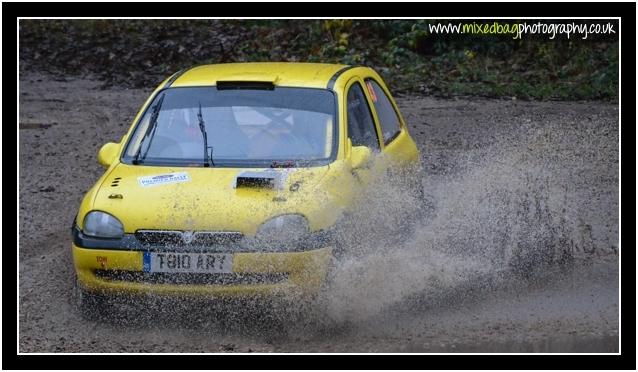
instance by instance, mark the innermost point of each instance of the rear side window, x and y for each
(361, 128)
(388, 118)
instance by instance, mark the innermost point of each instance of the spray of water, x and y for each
(507, 215)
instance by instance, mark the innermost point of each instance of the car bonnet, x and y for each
(221, 199)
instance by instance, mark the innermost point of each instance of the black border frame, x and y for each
(626, 360)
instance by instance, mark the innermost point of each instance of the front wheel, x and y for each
(92, 306)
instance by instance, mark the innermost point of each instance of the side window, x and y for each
(388, 118)
(361, 127)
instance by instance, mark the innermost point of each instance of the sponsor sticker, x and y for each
(371, 90)
(163, 179)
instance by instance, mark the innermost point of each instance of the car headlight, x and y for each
(102, 225)
(284, 228)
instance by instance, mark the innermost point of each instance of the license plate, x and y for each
(170, 262)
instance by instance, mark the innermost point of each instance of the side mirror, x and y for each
(108, 153)
(360, 156)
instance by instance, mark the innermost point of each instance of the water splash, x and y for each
(506, 214)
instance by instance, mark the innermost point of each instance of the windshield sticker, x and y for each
(163, 179)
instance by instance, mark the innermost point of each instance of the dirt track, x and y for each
(487, 162)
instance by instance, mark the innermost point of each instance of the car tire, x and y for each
(91, 306)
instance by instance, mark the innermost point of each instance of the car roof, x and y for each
(297, 74)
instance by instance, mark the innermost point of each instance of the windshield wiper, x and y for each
(202, 127)
(151, 126)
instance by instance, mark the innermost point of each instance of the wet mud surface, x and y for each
(500, 177)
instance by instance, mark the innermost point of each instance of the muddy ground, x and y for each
(498, 174)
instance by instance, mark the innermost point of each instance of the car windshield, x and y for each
(244, 127)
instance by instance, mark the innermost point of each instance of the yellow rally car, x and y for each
(231, 179)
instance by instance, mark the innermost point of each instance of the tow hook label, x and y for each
(102, 261)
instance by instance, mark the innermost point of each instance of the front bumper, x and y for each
(305, 272)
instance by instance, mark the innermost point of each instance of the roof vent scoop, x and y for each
(254, 85)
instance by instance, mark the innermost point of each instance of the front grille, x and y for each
(195, 238)
(160, 237)
(191, 278)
